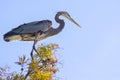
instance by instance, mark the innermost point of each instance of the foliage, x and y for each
(42, 67)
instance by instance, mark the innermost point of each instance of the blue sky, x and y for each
(88, 53)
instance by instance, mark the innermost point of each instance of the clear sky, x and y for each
(88, 53)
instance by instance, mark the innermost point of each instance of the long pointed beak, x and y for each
(72, 20)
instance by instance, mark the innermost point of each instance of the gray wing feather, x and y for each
(33, 27)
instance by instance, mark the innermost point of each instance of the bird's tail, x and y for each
(11, 36)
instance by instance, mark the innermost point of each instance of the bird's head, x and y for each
(66, 15)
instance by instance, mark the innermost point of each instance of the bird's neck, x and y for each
(60, 27)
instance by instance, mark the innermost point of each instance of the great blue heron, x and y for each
(37, 30)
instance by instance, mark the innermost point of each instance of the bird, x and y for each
(38, 30)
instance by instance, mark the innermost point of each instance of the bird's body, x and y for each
(27, 31)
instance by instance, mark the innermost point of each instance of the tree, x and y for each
(42, 67)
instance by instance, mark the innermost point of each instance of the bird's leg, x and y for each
(35, 41)
(31, 54)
